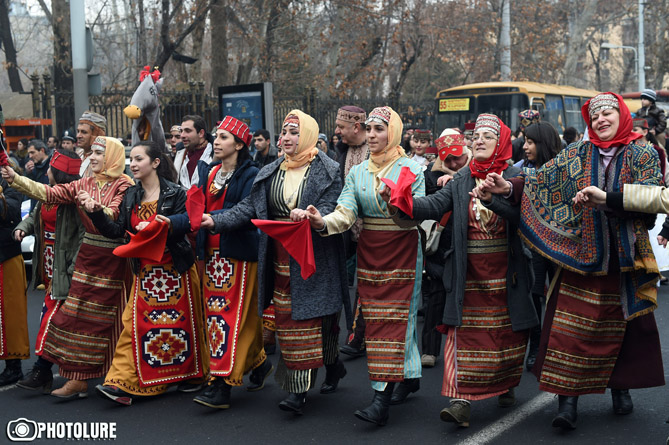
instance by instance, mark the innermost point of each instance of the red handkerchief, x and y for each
(400, 193)
(195, 207)
(148, 243)
(4, 161)
(295, 237)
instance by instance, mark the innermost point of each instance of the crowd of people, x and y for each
(520, 250)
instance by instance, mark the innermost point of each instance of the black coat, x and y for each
(10, 216)
(172, 201)
(241, 244)
(454, 196)
(326, 291)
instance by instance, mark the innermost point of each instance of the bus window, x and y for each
(555, 112)
(572, 108)
(453, 112)
(504, 106)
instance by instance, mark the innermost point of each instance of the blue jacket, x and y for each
(242, 243)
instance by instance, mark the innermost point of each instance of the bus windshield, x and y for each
(455, 111)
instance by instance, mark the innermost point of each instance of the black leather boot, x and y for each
(39, 378)
(259, 375)
(406, 387)
(566, 418)
(12, 372)
(622, 401)
(216, 395)
(377, 412)
(333, 373)
(294, 402)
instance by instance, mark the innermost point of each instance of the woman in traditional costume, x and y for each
(58, 234)
(599, 330)
(304, 307)
(162, 341)
(14, 343)
(390, 262)
(83, 333)
(230, 285)
(487, 277)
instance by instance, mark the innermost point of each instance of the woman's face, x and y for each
(141, 165)
(290, 136)
(21, 146)
(335, 139)
(530, 148)
(419, 145)
(484, 145)
(97, 160)
(225, 146)
(605, 123)
(377, 137)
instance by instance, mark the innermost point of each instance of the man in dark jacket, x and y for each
(657, 120)
(37, 166)
(265, 152)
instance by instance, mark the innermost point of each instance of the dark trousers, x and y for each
(434, 300)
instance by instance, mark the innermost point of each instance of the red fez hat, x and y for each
(65, 164)
(237, 128)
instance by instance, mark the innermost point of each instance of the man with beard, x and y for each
(197, 147)
(351, 150)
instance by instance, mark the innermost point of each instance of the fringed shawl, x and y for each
(577, 237)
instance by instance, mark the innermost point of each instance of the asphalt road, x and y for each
(255, 417)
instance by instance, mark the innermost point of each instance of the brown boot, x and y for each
(459, 412)
(72, 389)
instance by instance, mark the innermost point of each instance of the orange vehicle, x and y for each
(17, 129)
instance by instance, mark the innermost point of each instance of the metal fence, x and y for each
(59, 105)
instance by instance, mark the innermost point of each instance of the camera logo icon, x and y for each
(22, 430)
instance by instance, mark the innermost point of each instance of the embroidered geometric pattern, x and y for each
(164, 316)
(160, 284)
(48, 260)
(219, 270)
(217, 331)
(164, 347)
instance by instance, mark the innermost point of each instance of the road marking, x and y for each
(510, 420)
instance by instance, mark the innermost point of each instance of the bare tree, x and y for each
(12, 66)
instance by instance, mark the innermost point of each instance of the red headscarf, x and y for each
(624, 136)
(496, 163)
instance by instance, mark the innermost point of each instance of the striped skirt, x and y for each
(587, 345)
(484, 357)
(388, 260)
(83, 333)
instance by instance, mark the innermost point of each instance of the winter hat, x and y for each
(649, 94)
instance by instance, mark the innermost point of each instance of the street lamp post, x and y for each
(637, 68)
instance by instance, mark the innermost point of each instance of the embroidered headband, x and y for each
(601, 102)
(175, 128)
(292, 121)
(487, 122)
(65, 164)
(351, 114)
(237, 128)
(528, 117)
(100, 143)
(643, 123)
(422, 135)
(379, 115)
(450, 145)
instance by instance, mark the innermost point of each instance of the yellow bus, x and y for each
(560, 105)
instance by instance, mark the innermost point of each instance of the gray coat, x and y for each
(519, 277)
(327, 289)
